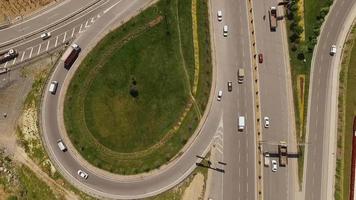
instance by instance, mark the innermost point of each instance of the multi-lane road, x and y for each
(70, 20)
(322, 117)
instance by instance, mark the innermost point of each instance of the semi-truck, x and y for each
(11, 54)
(282, 151)
(240, 75)
(273, 18)
(71, 55)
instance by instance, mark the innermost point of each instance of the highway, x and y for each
(276, 102)
(322, 119)
(231, 53)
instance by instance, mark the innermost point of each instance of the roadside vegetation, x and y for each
(131, 106)
(192, 188)
(347, 111)
(302, 41)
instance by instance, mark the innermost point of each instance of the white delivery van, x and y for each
(225, 30)
(240, 75)
(53, 87)
(61, 145)
(241, 123)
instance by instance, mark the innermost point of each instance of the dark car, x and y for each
(260, 58)
(229, 86)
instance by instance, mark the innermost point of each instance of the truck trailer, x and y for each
(282, 151)
(71, 55)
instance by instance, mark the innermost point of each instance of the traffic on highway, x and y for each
(248, 127)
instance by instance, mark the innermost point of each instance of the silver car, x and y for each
(274, 166)
(83, 174)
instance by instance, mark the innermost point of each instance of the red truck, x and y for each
(71, 55)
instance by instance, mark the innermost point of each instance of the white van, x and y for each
(53, 87)
(241, 123)
(61, 145)
(225, 30)
(219, 15)
(219, 95)
(266, 159)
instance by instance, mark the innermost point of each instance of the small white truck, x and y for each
(241, 123)
(266, 159)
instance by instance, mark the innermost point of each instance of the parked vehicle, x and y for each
(11, 54)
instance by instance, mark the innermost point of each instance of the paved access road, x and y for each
(322, 118)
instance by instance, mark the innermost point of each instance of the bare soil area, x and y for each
(20, 8)
(195, 189)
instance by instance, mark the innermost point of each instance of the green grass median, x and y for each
(130, 108)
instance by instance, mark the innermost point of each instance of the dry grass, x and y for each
(15, 8)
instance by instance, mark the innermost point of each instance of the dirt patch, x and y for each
(195, 189)
(20, 8)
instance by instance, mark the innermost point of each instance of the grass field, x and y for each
(15, 8)
(347, 110)
(128, 108)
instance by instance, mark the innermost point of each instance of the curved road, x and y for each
(102, 183)
(322, 112)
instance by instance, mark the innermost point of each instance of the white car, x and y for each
(82, 174)
(266, 119)
(333, 50)
(274, 166)
(225, 31)
(219, 95)
(45, 36)
(53, 87)
(219, 15)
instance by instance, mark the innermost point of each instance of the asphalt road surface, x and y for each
(238, 148)
(320, 120)
(276, 101)
(110, 185)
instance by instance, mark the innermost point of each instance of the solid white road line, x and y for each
(23, 55)
(73, 32)
(5, 65)
(14, 61)
(64, 38)
(107, 10)
(39, 49)
(31, 52)
(80, 29)
(48, 45)
(55, 44)
(86, 24)
(92, 20)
